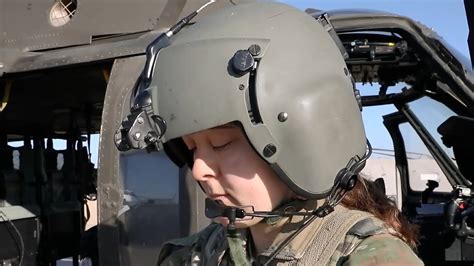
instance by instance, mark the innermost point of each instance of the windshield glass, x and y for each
(431, 114)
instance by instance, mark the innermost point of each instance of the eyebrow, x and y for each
(228, 125)
(225, 126)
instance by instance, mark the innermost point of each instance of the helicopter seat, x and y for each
(10, 178)
(53, 163)
(27, 171)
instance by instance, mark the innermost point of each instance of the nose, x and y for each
(205, 165)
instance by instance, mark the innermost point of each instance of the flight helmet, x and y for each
(276, 71)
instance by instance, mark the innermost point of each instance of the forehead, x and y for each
(221, 130)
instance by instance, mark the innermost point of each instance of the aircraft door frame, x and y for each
(123, 76)
(392, 122)
(142, 200)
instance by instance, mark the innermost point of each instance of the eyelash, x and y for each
(222, 146)
(218, 147)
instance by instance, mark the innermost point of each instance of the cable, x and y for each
(6, 95)
(22, 244)
(205, 5)
(148, 133)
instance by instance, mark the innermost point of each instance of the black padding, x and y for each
(178, 152)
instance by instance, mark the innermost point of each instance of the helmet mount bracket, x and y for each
(143, 128)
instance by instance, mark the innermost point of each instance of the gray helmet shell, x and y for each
(297, 107)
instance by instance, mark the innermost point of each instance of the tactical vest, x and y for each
(327, 241)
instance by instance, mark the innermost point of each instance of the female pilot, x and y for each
(256, 99)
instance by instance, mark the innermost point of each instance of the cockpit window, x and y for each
(422, 166)
(432, 114)
(154, 169)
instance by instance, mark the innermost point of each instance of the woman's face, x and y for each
(229, 170)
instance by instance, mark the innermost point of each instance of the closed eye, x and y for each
(221, 146)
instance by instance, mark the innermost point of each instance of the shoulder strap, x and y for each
(333, 231)
(363, 229)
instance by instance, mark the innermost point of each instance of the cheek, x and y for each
(267, 187)
(250, 180)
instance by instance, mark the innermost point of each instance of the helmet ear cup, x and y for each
(346, 179)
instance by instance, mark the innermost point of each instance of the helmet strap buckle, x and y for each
(345, 181)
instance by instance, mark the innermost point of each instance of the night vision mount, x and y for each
(143, 128)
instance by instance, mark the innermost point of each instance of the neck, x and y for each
(264, 235)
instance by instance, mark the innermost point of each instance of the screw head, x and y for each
(282, 117)
(269, 150)
(137, 136)
(241, 87)
(255, 49)
(140, 120)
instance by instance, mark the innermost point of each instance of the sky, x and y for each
(446, 17)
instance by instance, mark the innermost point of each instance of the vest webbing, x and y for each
(332, 232)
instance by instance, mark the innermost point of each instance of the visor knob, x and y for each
(242, 61)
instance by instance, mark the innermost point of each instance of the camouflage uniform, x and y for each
(333, 240)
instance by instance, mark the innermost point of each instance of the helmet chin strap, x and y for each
(345, 181)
